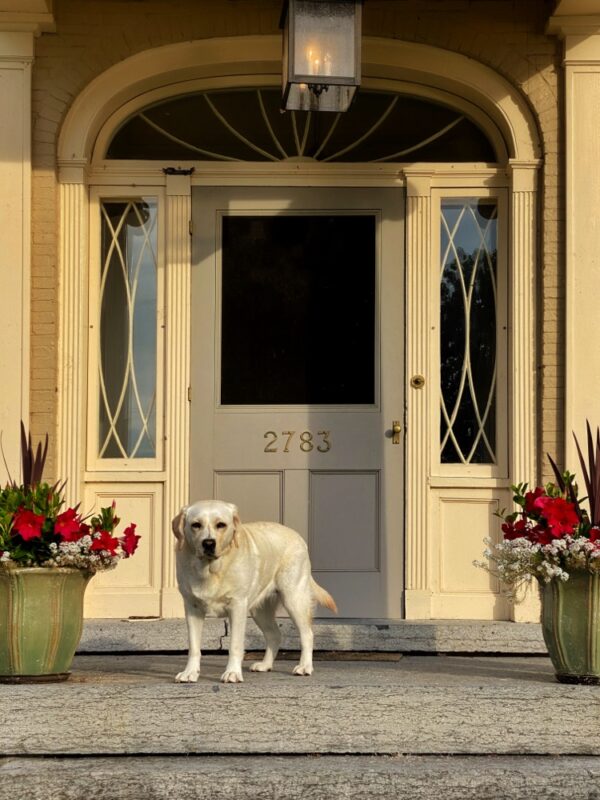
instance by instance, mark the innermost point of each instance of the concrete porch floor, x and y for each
(389, 726)
(334, 634)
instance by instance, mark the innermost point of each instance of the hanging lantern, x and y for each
(321, 54)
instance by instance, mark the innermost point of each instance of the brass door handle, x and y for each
(396, 431)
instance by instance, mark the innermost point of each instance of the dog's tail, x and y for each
(323, 597)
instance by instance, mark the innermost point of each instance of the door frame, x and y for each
(422, 184)
(255, 60)
(214, 454)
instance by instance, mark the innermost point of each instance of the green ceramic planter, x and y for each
(571, 627)
(41, 618)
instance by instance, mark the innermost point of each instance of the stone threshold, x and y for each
(300, 777)
(344, 635)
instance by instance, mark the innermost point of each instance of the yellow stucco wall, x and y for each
(506, 35)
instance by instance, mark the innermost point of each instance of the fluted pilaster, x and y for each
(178, 306)
(72, 358)
(522, 316)
(418, 269)
(523, 454)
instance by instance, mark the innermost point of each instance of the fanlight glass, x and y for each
(247, 125)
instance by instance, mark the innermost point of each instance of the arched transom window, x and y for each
(247, 125)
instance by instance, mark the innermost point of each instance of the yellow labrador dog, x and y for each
(229, 569)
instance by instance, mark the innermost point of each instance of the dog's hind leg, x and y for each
(264, 616)
(299, 605)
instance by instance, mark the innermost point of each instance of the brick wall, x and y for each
(92, 35)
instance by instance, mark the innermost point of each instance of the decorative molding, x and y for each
(74, 171)
(418, 269)
(244, 57)
(32, 16)
(17, 47)
(563, 25)
(71, 340)
(417, 604)
(177, 375)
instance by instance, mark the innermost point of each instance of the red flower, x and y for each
(561, 516)
(129, 540)
(28, 524)
(531, 498)
(517, 530)
(68, 526)
(545, 535)
(105, 542)
(595, 535)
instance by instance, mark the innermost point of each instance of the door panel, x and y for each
(259, 494)
(297, 375)
(344, 523)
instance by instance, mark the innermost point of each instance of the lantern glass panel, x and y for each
(325, 40)
(335, 98)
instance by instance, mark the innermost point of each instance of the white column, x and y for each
(72, 344)
(522, 394)
(582, 123)
(418, 413)
(522, 321)
(16, 57)
(177, 377)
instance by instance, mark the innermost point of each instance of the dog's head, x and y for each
(207, 528)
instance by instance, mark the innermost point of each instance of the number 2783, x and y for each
(305, 441)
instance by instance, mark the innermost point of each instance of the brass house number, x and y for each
(304, 440)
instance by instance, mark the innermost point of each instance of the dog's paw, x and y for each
(187, 676)
(301, 670)
(260, 666)
(232, 676)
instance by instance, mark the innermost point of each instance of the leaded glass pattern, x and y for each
(247, 125)
(468, 297)
(128, 329)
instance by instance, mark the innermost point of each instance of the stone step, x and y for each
(301, 777)
(445, 705)
(401, 636)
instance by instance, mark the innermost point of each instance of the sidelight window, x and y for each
(472, 331)
(127, 338)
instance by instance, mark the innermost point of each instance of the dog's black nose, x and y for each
(209, 545)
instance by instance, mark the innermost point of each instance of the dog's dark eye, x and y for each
(221, 525)
(197, 525)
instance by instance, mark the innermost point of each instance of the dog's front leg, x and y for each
(237, 613)
(194, 617)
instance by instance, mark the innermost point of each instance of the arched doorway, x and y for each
(453, 230)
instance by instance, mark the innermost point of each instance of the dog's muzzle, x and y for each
(208, 547)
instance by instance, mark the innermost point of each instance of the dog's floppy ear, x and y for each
(236, 521)
(177, 525)
(235, 515)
